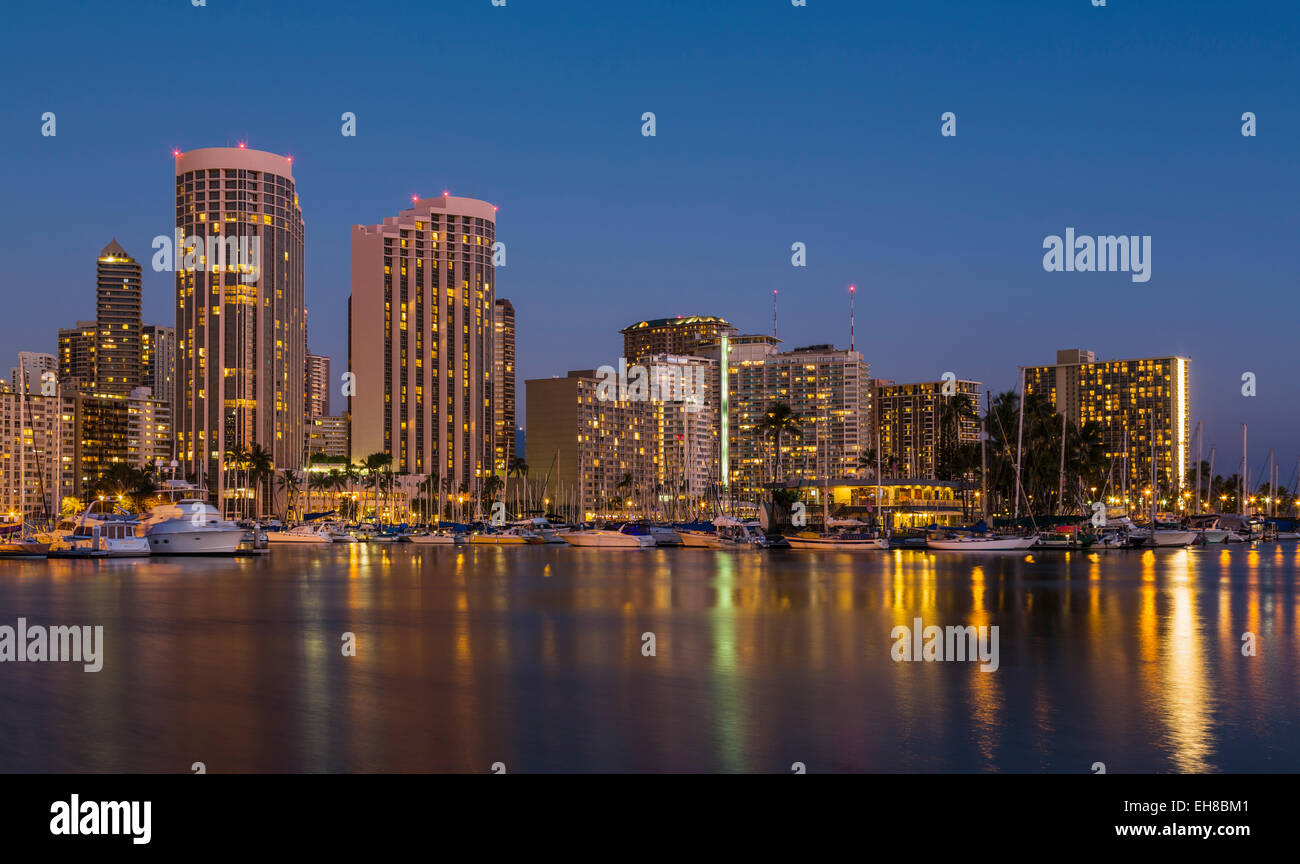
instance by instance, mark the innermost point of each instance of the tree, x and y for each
(261, 468)
(777, 422)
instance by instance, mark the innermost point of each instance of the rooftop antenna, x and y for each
(773, 313)
(852, 290)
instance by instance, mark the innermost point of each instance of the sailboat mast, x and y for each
(1020, 438)
(1209, 491)
(1060, 484)
(1241, 483)
(1198, 467)
(984, 460)
(1153, 471)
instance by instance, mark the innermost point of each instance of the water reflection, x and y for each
(534, 657)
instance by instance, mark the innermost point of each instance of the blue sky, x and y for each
(775, 124)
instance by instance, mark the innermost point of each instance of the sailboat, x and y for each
(1159, 535)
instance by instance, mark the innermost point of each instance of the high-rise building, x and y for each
(1124, 398)
(77, 356)
(117, 320)
(908, 426)
(605, 440)
(158, 362)
(828, 391)
(148, 429)
(596, 452)
(504, 386)
(420, 339)
(327, 435)
(318, 386)
(241, 330)
(680, 335)
(31, 454)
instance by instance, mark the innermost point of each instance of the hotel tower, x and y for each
(241, 321)
(421, 339)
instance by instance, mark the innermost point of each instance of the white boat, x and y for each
(1163, 537)
(694, 538)
(302, 534)
(609, 538)
(103, 538)
(543, 528)
(736, 534)
(836, 540)
(435, 538)
(189, 525)
(983, 543)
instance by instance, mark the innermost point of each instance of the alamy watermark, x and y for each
(242, 252)
(37, 644)
(952, 644)
(1103, 254)
(661, 382)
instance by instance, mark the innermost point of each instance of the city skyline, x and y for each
(946, 223)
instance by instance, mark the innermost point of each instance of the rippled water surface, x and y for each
(533, 657)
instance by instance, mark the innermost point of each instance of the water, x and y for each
(532, 657)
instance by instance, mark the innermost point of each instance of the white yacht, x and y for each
(619, 538)
(189, 525)
(102, 537)
(434, 538)
(735, 534)
(983, 543)
(302, 534)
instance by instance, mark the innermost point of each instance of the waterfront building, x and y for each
(328, 435)
(149, 428)
(421, 333)
(828, 391)
(241, 331)
(504, 380)
(907, 422)
(31, 454)
(158, 362)
(681, 335)
(908, 502)
(1122, 397)
(596, 453)
(117, 321)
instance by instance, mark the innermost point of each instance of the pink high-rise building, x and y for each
(421, 339)
(241, 320)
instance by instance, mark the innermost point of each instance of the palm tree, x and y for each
(289, 484)
(491, 486)
(518, 468)
(235, 458)
(261, 467)
(776, 423)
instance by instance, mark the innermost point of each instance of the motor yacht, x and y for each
(188, 525)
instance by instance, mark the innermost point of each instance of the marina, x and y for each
(531, 655)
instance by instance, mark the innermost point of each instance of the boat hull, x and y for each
(983, 544)
(609, 539)
(202, 542)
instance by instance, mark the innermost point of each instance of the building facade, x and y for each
(328, 435)
(317, 392)
(680, 335)
(828, 391)
(77, 356)
(504, 375)
(421, 322)
(595, 452)
(241, 331)
(32, 433)
(158, 362)
(117, 321)
(1125, 398)
(907, 422)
